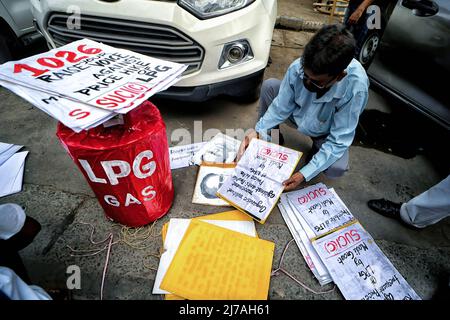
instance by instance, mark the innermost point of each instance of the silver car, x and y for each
(16, 28)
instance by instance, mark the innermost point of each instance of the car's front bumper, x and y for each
(254, 23)
(238, 87)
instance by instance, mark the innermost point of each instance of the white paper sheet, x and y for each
(175, 233)
(7, 150)
(95, 64)
(11, 174)
(85, 94)
(256, 183)
(220, 149)
(304, 244)
(181, 156)
(359, 268)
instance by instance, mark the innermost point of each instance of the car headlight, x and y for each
(205, 9)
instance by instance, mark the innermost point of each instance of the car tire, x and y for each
(5, 52)
(369, 47)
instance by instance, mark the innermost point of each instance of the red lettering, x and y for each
(82, 48)
(331, 243)
(106, 103)
(118, 99)
(69, 56)
(354, 233)
(79, 114)
(50, 62)
(340, 243)
(19, 67)
(120, 94)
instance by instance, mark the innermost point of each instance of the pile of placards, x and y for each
(86, 83)
(12, 164)
(216, 256)
(215, 159)
(337, 248)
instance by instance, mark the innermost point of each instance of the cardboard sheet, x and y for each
(216, 263)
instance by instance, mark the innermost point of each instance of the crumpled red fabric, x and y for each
(126, 165)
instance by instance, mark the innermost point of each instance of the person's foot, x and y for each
(386, 208)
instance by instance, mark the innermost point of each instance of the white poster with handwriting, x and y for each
(359, 268)
(256, 183)
(181, 156)
(92, 73)
(220, 149)
(320, 208)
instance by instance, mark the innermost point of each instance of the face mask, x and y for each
(312, 88)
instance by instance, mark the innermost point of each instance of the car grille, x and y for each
(155, 40)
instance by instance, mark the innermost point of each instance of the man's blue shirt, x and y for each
(335, 114)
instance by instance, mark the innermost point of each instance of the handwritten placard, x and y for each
(220, 149)
(359, 268)
(320, 208)
(256, 183)
(181, 156)
(85, 83)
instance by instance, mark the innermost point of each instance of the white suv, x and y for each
(226, 43)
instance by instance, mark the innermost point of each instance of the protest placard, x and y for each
(84, 83)
(257, 181)
(181, 156)
(220, 149)
(320, 208)
(359, 268)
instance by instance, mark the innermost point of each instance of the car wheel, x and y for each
(369, 48)
(5, 52)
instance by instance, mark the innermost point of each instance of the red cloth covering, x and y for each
(127, 165)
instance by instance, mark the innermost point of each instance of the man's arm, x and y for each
(356, 15)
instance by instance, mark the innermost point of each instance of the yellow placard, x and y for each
(233, 215)
(217, 263)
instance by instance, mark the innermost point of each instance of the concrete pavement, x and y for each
(56, 194)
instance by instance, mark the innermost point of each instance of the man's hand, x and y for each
(355, 16)
(293, 181)
(244, 144)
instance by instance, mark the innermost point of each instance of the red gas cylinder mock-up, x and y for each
(126, 165)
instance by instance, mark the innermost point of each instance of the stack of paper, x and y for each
(11, 168)
(303, 241)
(220, 149)
(181, 156)
(257, 182)
(214, 257)
(86, 83)
(337, 248)
(359, 268)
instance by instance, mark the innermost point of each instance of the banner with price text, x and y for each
(85, 83)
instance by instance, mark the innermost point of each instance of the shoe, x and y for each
(389, 209)
(386, 208)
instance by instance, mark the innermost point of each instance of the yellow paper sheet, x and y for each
(233, 215)
(217, 263)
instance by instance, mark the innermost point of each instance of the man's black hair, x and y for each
(330, 50)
